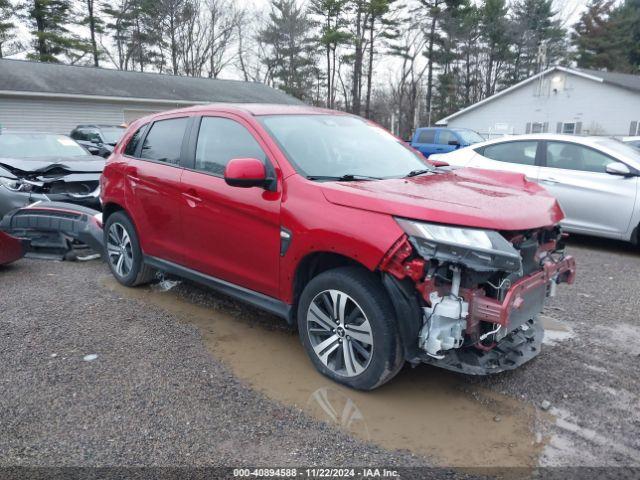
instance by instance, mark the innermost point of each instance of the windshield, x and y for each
(469, 136)
(629, 152)
(112, 135)
(29, 145)
(339, 145)
(634, 143)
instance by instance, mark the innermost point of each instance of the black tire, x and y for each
(365, 292)
(139, 273)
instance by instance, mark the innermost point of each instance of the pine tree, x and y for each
(599, 38)
(495, 33)
(332, 35)
(90, 18)
(536, 27)
(53, 42)
(7, 26)
(291, 58)
(626, 19)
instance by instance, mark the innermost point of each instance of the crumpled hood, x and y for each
(467, 197)
(76, 164)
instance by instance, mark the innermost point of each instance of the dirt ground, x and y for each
(96, 374)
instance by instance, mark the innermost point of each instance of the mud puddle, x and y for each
(424, 410)
(555, 331)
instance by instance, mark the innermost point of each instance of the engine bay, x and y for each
(479, 306)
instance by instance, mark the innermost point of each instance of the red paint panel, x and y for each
(11, 249)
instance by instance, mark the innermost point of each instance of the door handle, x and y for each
(550, 180)
(192, 197)
(133, 180)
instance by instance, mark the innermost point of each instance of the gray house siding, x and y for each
(62, 115)
(595, 108)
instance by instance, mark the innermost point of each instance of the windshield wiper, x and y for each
(347, 177)
(415, 173)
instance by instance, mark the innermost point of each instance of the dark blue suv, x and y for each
(442, 140)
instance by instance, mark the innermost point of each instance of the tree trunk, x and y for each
(487, 90)
(357, 63)
(41, 46)
(367, 108)
(174, 45)
(432, 39)
(92, 32)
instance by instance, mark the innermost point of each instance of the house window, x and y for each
(634, 129)
(569, 128)
(537, 127)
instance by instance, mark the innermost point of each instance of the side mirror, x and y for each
(245, 173)
(618, 168)
(438, 163)
(95, 141)
(454, 143)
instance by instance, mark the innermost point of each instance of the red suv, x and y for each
(332, 223)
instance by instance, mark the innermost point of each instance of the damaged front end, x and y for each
(470, 298)
(71, 182)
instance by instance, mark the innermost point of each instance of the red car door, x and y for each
(153, 192)
(230, 233)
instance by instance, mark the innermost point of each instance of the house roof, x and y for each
(624, 80)
(20, 77)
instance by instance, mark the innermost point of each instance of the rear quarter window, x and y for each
(163, 143)
(132, 146)
(519, 152)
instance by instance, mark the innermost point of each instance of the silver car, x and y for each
(595, 179)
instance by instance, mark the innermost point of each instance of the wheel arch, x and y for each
(313, 264)
(402, 294)
(109, 209)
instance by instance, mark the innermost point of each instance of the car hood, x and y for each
(467, 197)
(42, 165)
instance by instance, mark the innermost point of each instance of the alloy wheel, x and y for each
(340, 333)
(119, 249)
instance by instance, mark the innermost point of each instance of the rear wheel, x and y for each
(123, 253)
(347, 326)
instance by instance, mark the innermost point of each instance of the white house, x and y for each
(558, 100)
(55, 98)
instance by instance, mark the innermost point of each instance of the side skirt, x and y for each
(264, 302)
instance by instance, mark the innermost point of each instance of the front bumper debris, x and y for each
(514, 350)
(54, 228)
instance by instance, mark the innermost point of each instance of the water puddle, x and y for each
(424, 410)
(555, 331)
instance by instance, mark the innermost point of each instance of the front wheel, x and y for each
(347, 326)
(123, 252)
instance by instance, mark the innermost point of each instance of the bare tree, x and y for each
(252, 54)
(223, 18)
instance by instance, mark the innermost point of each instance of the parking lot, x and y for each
(95, 374)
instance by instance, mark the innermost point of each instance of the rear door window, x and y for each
(221, 140)
(522, 153)
(427, 136)
(446, 136)
(163, 143)
(571, 156)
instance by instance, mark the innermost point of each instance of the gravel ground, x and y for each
(156, 396)
(153, 396)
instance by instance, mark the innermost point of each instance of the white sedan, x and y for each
(595, 179)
